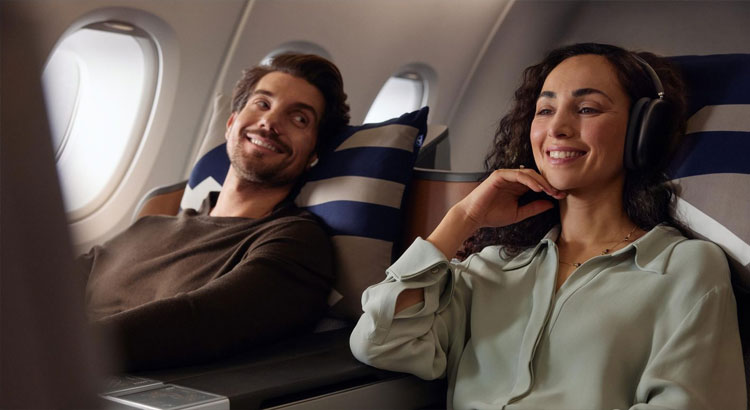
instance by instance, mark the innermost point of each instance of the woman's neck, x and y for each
(592, 225)
(590, 219)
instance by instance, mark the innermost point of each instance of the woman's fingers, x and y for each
(493, 203)
(530, 178)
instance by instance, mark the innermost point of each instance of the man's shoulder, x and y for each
(290, 215)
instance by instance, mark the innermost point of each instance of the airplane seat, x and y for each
(711, 168)
(359, 188)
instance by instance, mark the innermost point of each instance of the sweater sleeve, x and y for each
(279, 288)
(422, 339)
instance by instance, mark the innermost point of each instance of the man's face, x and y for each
(271, 141)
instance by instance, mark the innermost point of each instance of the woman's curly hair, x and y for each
(648, 196)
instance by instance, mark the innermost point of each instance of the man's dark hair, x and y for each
(316, 70)
(647, 197)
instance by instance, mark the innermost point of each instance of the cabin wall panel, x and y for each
(370, 40)
(534, 27)
(201, 31)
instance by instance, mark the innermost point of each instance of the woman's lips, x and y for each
(564, 155)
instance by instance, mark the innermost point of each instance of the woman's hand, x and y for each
(493, 203)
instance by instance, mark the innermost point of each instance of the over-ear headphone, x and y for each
(650, 127)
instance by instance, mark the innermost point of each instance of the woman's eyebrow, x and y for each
(577, 93)
(548, 94)
(586, 91)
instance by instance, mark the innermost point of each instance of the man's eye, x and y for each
(262, 104)
(300, 119)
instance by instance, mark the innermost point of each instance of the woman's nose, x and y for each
(561, 125)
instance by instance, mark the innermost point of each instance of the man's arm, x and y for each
(277, 290)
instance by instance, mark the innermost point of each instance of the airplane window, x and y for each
(99, 84)
(297, 47)
(402, 93)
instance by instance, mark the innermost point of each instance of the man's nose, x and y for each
(269, 120)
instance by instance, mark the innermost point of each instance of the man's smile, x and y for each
(266, 143)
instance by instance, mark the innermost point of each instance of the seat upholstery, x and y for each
(711, 166)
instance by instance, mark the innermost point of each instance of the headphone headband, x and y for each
(652, 73)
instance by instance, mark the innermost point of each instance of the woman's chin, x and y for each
(561, 184)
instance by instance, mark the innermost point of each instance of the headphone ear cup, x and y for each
(649, 134)
(633, 137)
(654, 141)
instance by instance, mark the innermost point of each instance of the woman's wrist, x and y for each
(451, 232)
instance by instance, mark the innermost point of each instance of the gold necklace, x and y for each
(606, 250)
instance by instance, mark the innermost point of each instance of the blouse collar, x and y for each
(652, 250)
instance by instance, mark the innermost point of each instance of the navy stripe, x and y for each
(214, 163)
(375, 162)
(417, 119)
(712, 152)
(347, 218)
(715, 79)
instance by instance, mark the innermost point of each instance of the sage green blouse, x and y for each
(651, 326)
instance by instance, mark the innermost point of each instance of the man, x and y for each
(248, 267)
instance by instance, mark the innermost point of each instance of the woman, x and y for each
(591, 298)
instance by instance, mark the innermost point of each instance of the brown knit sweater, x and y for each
(191, 288)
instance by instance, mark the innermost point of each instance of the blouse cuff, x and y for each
(421, 266)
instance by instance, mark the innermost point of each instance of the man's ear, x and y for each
(230, 121)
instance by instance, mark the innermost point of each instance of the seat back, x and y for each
(711, 166)
(433, 192)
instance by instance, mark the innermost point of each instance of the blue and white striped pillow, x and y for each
(357, 188)
(711, 165)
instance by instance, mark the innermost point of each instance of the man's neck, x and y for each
(244, 199)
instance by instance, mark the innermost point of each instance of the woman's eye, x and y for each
(588, 110)
(544, 111)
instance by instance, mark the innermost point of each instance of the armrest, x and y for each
(164, 200)
(311, 371)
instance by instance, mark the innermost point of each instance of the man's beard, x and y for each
(251, 169)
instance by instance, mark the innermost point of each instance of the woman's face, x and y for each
(578, 131)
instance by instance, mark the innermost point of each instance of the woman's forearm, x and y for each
(452, 231)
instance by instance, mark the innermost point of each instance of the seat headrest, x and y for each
(711, 165)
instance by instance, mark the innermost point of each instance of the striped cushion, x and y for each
(711, 165)
(357, 188)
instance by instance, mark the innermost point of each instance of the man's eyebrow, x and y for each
(264, 92)
(297, 105)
